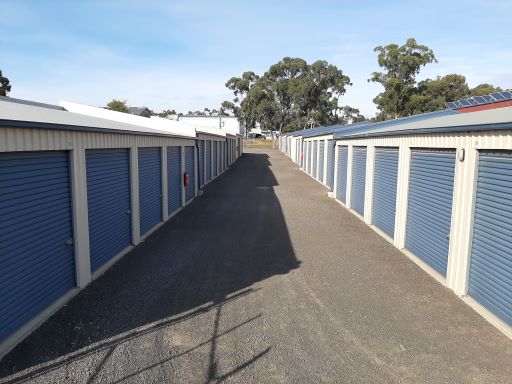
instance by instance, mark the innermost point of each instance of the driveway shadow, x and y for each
(211, 253)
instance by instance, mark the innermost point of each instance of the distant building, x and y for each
(230, 124)
(140, 111)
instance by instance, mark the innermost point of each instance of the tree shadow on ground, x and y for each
(209, 254)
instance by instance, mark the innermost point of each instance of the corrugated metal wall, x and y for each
(490, 273)
(174, 180)
(429, 211)
(358, 179)
(109, 203)
(36, 234)
(384, 189)
(150, 188)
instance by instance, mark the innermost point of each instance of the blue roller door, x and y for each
(189, 168)
(174, 179)
(384, 189)
(208, 157)
(306, 157)
(315, 159)
(201, 163)
(109, 203)
(222, 158)
(341, 183)
(36, 235)
(358, 179)
(490, 271)
(150, 188)
(429, 209)
(215, 147)
(330, 164)
(321, 153)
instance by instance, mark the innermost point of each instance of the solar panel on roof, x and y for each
(472, 101)
(507, 95)
(464, 103)
(488, 98)
(480, 100)
(451, 105)
(498, 96)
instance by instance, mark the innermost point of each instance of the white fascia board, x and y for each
(164, 126)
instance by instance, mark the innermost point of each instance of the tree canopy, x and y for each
(290, 95)
(5, 86)
(403, 95)
(118, 105)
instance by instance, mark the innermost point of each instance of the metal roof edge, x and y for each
(460, 128)
(31, 103)
(68, 127)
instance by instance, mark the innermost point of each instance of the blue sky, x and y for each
(179, 54)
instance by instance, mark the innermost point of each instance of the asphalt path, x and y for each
(263, 279)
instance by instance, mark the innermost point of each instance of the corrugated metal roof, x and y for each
(23, 115)
(437, 122)
(164, 126)
(367, 126)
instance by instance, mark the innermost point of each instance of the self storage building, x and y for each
(77, 192)
(439, 187)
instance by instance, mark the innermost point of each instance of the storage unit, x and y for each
(150, 188)
(429, 209)
(215, 158)
(190, 170)
(342, 168)
(321, 154)
(306, 157)
(329, 179)
(490, 272)
(438, 186)
(174, 179)
(384, 189)
(358, 185)
(208, 161)
(201, 162)
(36, 234)
(109, 203)
(79, 185)
(314, 172)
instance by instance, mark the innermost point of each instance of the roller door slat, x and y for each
(208, 155)
(321, 153)
(109, 203)
(150, 188)
(36, 244)
(384, 189)
(358, 179)
(490, 271)
(341, 187)
(330, 164)
(430, 206)
(189, 168)
(174, 179)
